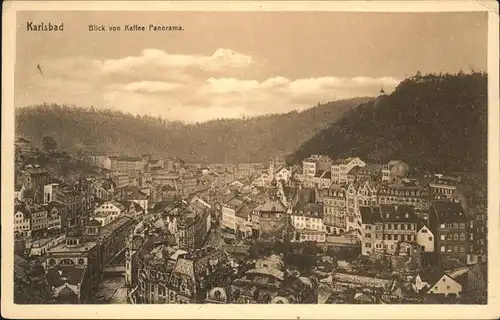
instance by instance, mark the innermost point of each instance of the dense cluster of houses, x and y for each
(186, 230)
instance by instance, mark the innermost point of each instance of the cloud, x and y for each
(187, 87)
(151, 86)
(220, 60)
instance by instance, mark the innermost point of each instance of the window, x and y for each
(448, 248)
(442, 237)
(396, 237)
(455, 225)
(443, 226)
(462, 236)
(455, 236)
(430, 238)
(368, 245)
(462, 248)
(389, 237)
(449, 236)
(455, 248)
(462, 225)
(389, 226)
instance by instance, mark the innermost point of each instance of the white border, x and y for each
(9, 310)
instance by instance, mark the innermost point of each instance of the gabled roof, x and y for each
(431, 275)
(448, 211)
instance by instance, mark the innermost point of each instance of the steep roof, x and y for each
(398, 213)
(309, 209)
(431, 275)
(448, 211)
(370, 215)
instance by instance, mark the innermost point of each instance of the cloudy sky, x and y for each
(232, 64)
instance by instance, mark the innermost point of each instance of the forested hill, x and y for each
(437, 122)
(253, 139)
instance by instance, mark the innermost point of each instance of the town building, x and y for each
(341, 167)
(228, 214)
(39, 220)
(34, 178)
(359, 194)
(108, 211)
(451, 228)
(334, 209)
(399, 223)
(126, 164)
(22, 219)
(124, 179)
(308, 216)
(405, 192)
(315, 163)
(195, 274)
(443, 187)
(106, 190)
(55, 213)
(435, 282)
(270, 218)
(370, 219)
(425, 238)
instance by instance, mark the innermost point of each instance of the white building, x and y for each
(22, 221)
(308, 221)
(311, 165)
(436, 282)
(49, 192)
(283, 173)
(228, 214)
(341, 167)
(263, 180)
(370, 216)
(425, 238)
(108, 212)
(308, 168)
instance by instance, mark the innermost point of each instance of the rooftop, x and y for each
(370, 215)
(448, 211)
(84, 246)
(398, 213)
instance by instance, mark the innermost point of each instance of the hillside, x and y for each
(436, 122)
(253, 139)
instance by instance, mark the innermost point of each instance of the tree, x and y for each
(49, 144)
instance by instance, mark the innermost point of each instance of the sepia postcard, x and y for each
(250, 159)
